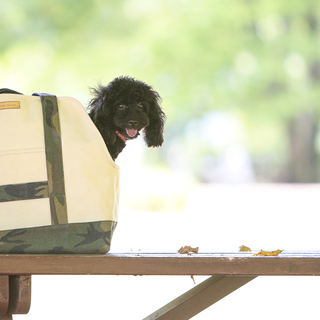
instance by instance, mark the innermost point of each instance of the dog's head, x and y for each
(125, 107)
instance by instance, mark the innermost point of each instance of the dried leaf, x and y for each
(244, 249)
(188, 249)
(268, 253)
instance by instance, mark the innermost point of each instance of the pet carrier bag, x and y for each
(59, 187)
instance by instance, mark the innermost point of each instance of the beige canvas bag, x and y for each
(59, 187)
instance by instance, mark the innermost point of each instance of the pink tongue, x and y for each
(131, 132)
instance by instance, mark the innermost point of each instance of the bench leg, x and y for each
(4, 295)
(15, 296)
(199, 298)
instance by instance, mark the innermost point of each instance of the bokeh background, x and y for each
(240, 164)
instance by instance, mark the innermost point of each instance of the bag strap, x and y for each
(53, 147)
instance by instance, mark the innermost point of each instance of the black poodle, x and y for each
(123, 108)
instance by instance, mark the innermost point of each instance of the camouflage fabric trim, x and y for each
(24, 191)
(52, 134)
(80, 238)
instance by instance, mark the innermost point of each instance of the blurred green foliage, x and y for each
(257, 61)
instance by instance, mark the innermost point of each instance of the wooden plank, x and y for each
(199, 298)
(4, 294)
(19, 294)
(161, 264)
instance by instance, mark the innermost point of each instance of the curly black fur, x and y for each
(122, 109)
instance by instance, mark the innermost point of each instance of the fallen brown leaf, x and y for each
(244, 249)
(188, 249)
(268, 253)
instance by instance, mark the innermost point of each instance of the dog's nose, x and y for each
(133, 123)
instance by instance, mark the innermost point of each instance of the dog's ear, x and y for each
(153, 133)
(101, 113)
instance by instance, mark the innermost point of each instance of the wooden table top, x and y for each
(240, 264)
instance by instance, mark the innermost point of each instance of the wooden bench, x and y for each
(228, 271)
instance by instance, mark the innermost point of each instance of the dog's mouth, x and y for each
(131, 132)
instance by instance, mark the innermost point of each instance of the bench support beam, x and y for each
(15, 295)
(200, 297)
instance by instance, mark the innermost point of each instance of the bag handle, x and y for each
(10, 91)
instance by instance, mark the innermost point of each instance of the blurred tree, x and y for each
(257, 60)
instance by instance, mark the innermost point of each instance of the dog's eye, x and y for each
(140, 105)
(121, 106)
